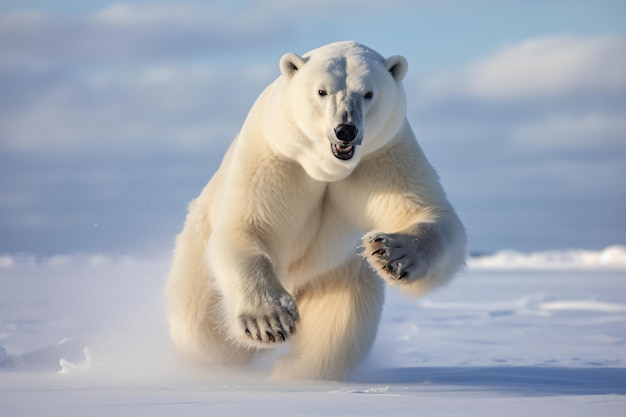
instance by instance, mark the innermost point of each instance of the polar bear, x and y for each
(323, 196)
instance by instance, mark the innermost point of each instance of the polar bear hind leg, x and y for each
(339, 317)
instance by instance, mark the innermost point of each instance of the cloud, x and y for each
(321, 7)
(134, 32)
(126, 33)
(586, 135)
(138, 15)
(556, 95)
(530, 141)
(108, 159)
(111, 122)
(106, 156)
(539, 68)
(183, 106)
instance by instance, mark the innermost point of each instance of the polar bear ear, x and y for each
(397, 65)
(290, 63)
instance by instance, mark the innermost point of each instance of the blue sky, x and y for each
(113, 115)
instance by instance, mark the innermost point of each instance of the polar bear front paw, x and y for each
(275, 322)
(393, 256)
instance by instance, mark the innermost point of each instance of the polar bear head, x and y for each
(337, 104)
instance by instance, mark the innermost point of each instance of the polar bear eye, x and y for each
(369, 95)
(322, 93)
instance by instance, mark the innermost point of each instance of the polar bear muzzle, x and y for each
(346, 134)
(342, 151)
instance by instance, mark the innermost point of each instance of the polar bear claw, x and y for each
(393, 256)
(269, 328)
(271, 321)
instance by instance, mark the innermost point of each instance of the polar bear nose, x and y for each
(346, 133)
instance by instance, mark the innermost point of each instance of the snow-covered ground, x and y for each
(517, 335)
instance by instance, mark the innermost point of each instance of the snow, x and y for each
(613, 257)
(525, 334)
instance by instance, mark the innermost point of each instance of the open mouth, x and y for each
(342, 151)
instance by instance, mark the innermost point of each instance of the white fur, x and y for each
(269, 249)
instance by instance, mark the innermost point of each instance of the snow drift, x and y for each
(521, 332)
(613, 257)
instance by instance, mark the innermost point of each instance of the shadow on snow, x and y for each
(523, 380)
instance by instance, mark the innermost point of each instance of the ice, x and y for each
(543, 335)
